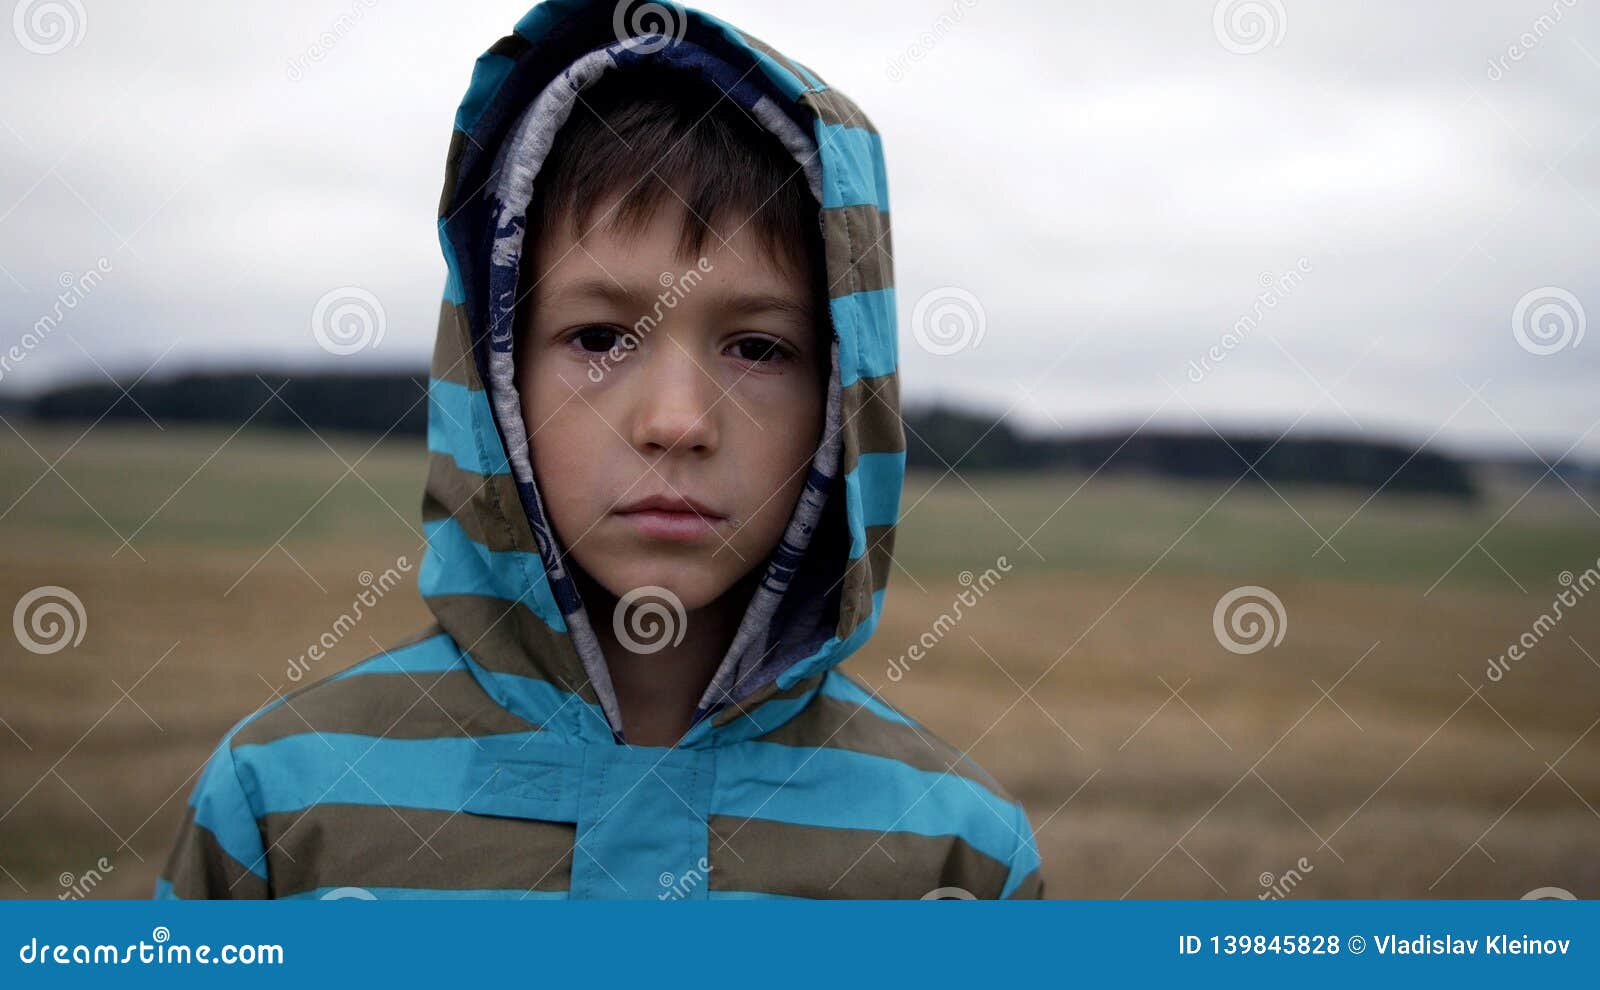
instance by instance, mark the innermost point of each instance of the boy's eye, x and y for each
(598, 339)
(759, 349)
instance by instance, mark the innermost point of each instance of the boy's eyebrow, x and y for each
(594, 288)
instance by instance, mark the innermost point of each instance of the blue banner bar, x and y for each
(795, 943)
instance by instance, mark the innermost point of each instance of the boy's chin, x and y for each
(694, 585)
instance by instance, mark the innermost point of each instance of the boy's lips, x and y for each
(671, 517)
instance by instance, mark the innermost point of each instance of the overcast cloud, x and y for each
(1116, 185)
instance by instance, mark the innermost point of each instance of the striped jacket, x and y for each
(484, 757)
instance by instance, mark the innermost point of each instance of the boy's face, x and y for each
(715, 399)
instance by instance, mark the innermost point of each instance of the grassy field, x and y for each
(1367, 754)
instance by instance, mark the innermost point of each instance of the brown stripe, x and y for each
(200, 869)
(780, 58)
(871, 416)
(835, 724)
(768, 692)
(427, 632)
(867, 574)
(480, 504)
(510, 638)
(451, 361)
(751, 854)
(833, 107)
(859, 254)
(397, 706)
(1031, 888)
(353, 845)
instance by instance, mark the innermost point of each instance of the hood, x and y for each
(493, 573)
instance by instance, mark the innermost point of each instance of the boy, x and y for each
(665, 467)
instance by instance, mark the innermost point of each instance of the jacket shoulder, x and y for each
(421, 689)
(908, 784)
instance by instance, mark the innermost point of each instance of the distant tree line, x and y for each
(936, 437)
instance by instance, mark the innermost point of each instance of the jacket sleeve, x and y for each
(218, 853)
(1025, 880)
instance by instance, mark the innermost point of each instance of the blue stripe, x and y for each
(164, 891)
(456, 564)
(222, 808)
(835, 788)
(455, 292)
(841, 688)
(853, 172)
(872, 495)
(1025, 860)
(299, 771)
(866, 325)
(525, 776)
(750, 895)
(457, 417)
(488, 72)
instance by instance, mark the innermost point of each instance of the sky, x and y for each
(1400, 202)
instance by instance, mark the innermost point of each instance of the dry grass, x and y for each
(1154, 763)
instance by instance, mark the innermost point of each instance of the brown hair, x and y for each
(660, 136)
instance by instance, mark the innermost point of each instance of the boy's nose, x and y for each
(676, 405)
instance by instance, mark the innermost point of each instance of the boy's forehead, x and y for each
(572, 264)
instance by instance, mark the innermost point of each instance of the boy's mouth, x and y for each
(671, 517)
